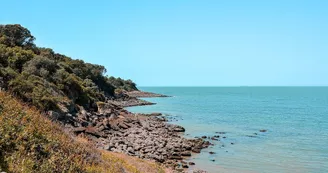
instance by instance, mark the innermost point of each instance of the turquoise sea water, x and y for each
(296, 120)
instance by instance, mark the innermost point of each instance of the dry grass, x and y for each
(31, 143)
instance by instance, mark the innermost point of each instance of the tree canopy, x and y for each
(48, 79)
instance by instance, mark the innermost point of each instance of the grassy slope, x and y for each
(31, 143)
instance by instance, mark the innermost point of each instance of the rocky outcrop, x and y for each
(147, 136)
(144, 94)
(132, 101)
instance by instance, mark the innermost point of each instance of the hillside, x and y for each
(59, 114)
(31, 143)
(49, 80)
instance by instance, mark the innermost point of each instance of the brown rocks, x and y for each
(148, 137)
(214, 139)
(186, 154)
(123, 125)
(175, 158)
(144, 94)
(78, 130)
(196, 150)
(191, 163)
(185, 166)
(93, 131)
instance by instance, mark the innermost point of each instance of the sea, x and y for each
(295, 121)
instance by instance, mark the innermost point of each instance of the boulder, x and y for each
(92, 131)
(186, 153)
(78, 130)
(196, 150)
(175, 158)
(185, 166)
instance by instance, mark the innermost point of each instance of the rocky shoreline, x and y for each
(133, 101)
(139, 94)
(147, 136)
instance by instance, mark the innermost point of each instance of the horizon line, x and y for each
(240, 86)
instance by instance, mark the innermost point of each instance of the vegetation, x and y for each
(31, 143)
(48, 79)
(127, 85)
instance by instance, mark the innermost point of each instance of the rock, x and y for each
(92, 131)
(85, 124)
(204, 137)
(196, 150)
(123, 126)
(263, 130)
(207, 143)
(130, 150)
(179, 169)
(211, 152)
(144, 94)
(232, 143)
(221, 132)
(185, 166)
(179, 129)
(185, 154)
(213, 160)
(214, 139)
(251, 136)
(155, 114)
(78, 130)
(191, 163)
(199, 171)
(176, 158)
(183, 162)
(224, 137)
(107, 147)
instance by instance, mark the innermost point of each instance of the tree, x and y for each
(16, 35)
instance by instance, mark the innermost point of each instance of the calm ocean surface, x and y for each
(296, 120)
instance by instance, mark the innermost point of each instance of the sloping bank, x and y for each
(29, 142)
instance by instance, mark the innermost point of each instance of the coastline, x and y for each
(146, 136)
(139, 94)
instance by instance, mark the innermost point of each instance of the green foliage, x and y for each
(45, 78)
(16, 35)
(127, 85)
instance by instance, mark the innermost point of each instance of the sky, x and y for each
(186, 42)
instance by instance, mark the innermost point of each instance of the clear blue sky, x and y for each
(186, 42)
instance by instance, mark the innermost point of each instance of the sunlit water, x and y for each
(296, 120)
